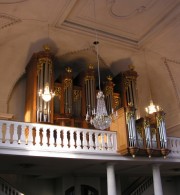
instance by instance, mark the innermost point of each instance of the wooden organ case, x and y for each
(72, 102)
(40, 74)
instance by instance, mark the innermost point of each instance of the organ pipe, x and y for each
(44, 78)
(109, 98)
(68, 90)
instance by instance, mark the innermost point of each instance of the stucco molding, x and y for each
(7, 20)
(113, 4)
(11, 1)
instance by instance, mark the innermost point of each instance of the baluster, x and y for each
(96, 136)
(26, 134)
(22, 137)
(58, 138)
(84, 142)
(4, 127)
(11, 131)
(65, 138)
(51, 137)
(19, 133)
(91, 144)
(8, 131)
(44, 139)
(1, 132)
(38, 136)
(103, 141)
(61, 138)
(114, 142)
(15, 136)
(175, 144)
(55, 135)
(109, 143)
(30, 138)
(78, 140)
(71, 141)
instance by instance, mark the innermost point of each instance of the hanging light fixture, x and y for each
(47, 95)
(152, 108)
(99, 118)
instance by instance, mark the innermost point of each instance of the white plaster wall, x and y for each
(16, 103)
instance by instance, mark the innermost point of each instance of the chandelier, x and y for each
(47, 95)
(152, 108)
(99, 117)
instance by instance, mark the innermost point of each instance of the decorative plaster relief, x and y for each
(11, 1)
(7, 20)
(128, 8)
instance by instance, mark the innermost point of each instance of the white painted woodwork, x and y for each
(67, 139)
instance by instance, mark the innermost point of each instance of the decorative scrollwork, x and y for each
(153, 131)
(39, 68)
(160, 119)
(129, 115)
(76, 95)
(108, 90)
(127, 83)
(146, 123)
(116, 12)
(140, 131)
(7, 20)
(41, 62)
(89, 77)
(67, 83)
(116, 102)
(58, 91)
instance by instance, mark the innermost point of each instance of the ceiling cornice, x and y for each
(124, 41)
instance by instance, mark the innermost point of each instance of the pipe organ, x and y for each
(109, 95)
(39, 87)
(127, 88)
(89, 91)
(70, 100)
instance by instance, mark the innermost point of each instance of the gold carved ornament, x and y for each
(108, 90)
(76, 95)
(58, 92)
(67, 83)
(116, 102)
(89, 77)
(130, 112)
(153, 131)
(127, 83)
(42, 61)
(146, 124)
(140, 131)
(68, 69)
(129, 115)
(160, 119)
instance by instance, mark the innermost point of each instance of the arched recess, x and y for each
(88, 190)
(70, 191)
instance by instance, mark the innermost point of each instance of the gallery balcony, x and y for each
(35, 139)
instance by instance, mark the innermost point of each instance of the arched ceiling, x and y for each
(144, 33)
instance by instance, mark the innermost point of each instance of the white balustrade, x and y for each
(35, 136)
(173, 144)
